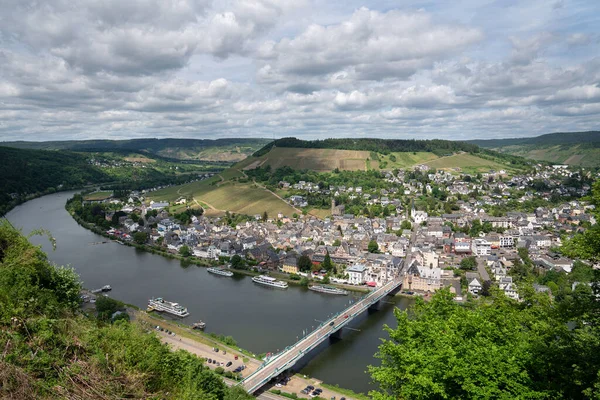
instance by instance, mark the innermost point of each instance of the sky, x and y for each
(461, 69)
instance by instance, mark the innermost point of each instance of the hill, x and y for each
(30, 173)
(383, 146)
(228, 150)
(377, 154)
(573, 148)
(51, 350)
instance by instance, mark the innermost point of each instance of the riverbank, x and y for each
(203, 345)
(191, 260)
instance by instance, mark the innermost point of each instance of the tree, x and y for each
(303, 263)
(337, 242)
(444, 350)
(265, 216)
(140, 237)
(327, 264)
(106, 307)
(185, 251)
(406, 224)
(468, 263)
(373, 247)
(237, 262)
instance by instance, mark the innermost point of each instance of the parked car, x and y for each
(209, 360)
(236, 357)
(228, 364)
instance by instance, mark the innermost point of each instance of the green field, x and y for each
(244, 198)
(406, 159)
(97, 196)
(467, 163)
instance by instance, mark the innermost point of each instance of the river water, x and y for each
(259, 318)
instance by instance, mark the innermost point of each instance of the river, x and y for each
(260, 319)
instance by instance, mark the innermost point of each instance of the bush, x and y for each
(219, 370)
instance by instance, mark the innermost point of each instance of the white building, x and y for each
(481, 247)
(356, 274)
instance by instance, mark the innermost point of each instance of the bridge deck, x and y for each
(290, 355)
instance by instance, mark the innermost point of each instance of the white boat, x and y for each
(220, 271)
(268, 281)
(328, 290)
(199, 325)
(159, 304)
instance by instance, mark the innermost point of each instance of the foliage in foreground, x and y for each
(50, 350)
(493, 349)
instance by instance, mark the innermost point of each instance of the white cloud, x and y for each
(283, 67)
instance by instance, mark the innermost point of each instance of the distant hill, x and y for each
(573, 148)
(384, 146)
(30, 172)
(230, 150)
(378, 154)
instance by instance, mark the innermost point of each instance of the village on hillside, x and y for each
(471, 246)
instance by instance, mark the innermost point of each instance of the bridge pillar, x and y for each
(337, 334)
(375, 306)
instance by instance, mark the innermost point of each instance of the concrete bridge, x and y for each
(292, 354)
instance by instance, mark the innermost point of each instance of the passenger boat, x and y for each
(328, 290)
(220, 271)
(268, 281)
(159, 304)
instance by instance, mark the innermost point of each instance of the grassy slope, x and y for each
(467, 163)
(229, 195)
(322, 160)
(574, 154)
(407, 159)
(574, 148)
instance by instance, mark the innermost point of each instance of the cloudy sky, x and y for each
(306, 68)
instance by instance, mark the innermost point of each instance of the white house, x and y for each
(356, 274)
(474, 286)
(481, 247)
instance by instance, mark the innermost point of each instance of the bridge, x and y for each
(292, 354)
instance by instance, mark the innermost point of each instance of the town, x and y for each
(468, 232)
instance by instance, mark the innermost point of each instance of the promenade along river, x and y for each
(259, 318)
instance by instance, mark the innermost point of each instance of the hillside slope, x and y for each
(52, 351)
(231, 150)
(573, 148)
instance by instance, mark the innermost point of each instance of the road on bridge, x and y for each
(290, 355)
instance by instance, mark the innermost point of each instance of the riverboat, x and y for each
(328, 290)
(159, 304)
(220, 271)
(105, 288)
(268, 281)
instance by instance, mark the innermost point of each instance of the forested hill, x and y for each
(385, 146)
(183, 149)
(573, 148)
(550, 139)
(29, 172)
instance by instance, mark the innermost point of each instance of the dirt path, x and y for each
(278, 196)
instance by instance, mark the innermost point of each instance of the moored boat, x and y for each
(268, 281)
(159, 304)
(220, 271)
(328, 290)
(199, 325)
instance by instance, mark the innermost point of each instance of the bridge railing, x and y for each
(383, 291)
